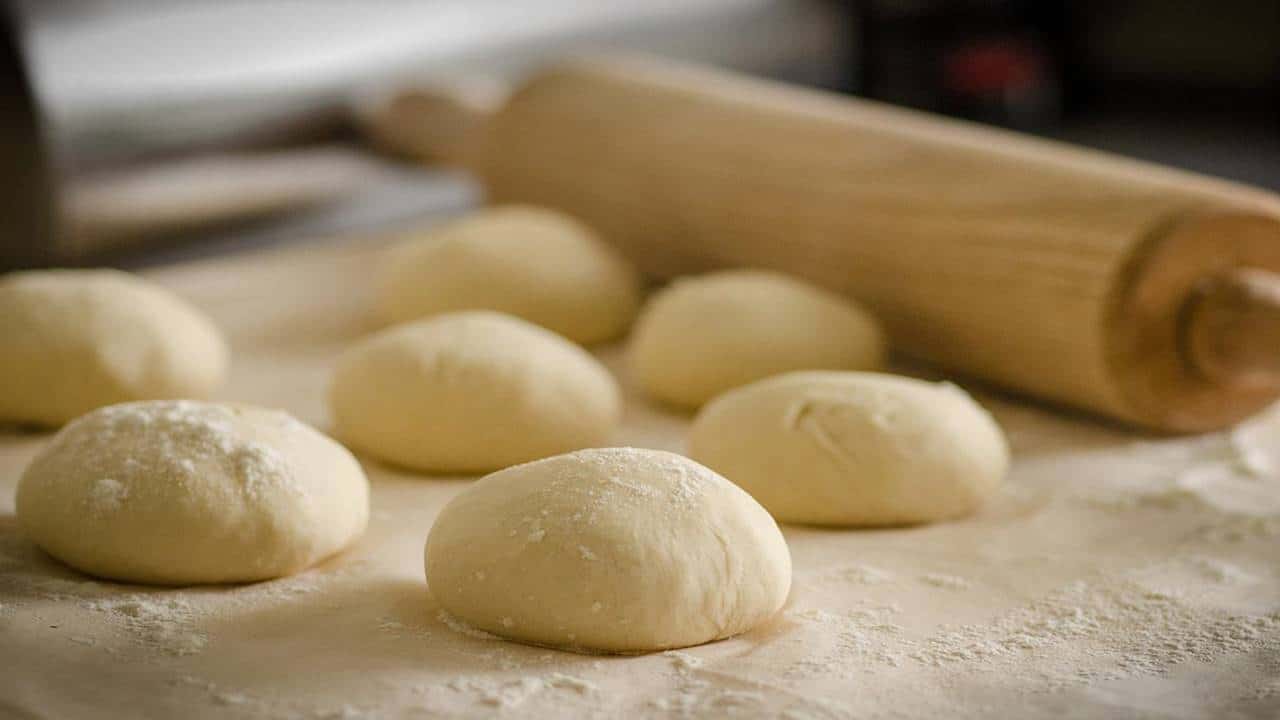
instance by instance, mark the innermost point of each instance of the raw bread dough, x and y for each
(75, 340)
(176, 492)
(534, 263)
(471, 392)
(612, 549)
(846, 448)
(704, 335)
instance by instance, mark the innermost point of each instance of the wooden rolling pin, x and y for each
(1115, 286)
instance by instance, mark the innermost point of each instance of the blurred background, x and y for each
(141, 131)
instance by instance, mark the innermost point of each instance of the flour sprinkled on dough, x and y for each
(108, 494)
(252, 493)
(614, 549)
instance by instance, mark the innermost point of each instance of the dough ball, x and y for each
(704, 335)
(471, 392)
(75, 340)
(614, 549)
(537, 264)
(176, 492)
(845, 448)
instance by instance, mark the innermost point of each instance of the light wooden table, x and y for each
(1114, 575)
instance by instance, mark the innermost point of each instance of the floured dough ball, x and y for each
(614, 549)
(704, 335)
(471, 392)
(534, 263)
(843, 448)
(75, 340)
(176, 492)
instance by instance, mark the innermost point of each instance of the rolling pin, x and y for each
(1118, 287)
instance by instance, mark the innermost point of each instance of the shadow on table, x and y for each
(28, 573)
(18, 444)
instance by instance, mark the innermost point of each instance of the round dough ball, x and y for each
(613, 549)
(75, 340)
(534, 263)
(471, 392)
(704, 335)
(176, 492)
(844, 448)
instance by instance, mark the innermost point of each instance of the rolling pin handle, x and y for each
(1232, 330)
(436, 124)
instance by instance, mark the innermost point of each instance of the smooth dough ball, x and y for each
(534, 263)
(471, 392)
(75, 340)
(704, 335)
(846, 448)
(614, 549)
(177, 492)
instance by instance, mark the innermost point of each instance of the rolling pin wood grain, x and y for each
(1114, 286)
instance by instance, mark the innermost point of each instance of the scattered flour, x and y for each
(346, 712)
(107, 495)
(1229, 472)
(686, 483)
(515, 692)
(1238, 529)
(164, 623)
(570, 682)
(463, 628)
(851, 574)
(1220, 571)
(231, 698)
(220, 696)
(948, 582)
(853, 642)
(683, 661)
(1105, 629)
(399, 629)
(262, 468)
(1111, 626)
(698, 699)
(171, 440)
(1097, 630)
(1250, 456)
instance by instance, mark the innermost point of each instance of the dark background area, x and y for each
(94, 89)
(1194, 84)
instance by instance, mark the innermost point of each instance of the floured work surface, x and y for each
(1115, 575)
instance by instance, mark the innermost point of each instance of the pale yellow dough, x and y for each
(75, 340)
(178, 492)
(535, 263)
(704, 335)
(613, 549)
(847, 448)
(471, 392)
